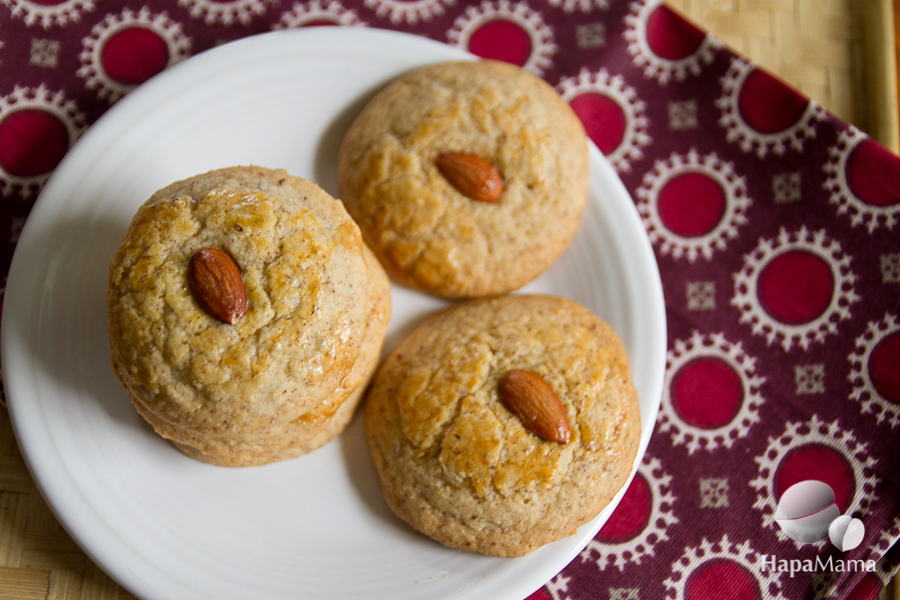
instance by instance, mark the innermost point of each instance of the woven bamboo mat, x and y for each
(839, 52)
(38, 559)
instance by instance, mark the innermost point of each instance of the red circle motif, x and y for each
(501, 40)
(603, 119)
(670, 36)
(707, 393)
(631, 515)
(32, 142)
(822, 463)
(691, 204)
(768, 105)
(541, 594)
(872, 174)
(883, 369)
(868, 588)
(721, 580)
(796, 287)
(134, 55)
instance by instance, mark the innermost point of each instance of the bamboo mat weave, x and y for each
(38, 559)
(838, 52)
(834, 51)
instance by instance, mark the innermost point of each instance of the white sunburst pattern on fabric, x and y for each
(731, 365)
(802, 263)
(63, 112)
(757, 137)
(302, 14)
(723, 196)
(822, 451)
(173, 47)
(519, 14)
(873, 212)
(409, 11)
(662, 68)
(871, 364)
(653, 482)
(601, 86)
(706, 566)
(49, 14)
(226, 13)
(584, 6)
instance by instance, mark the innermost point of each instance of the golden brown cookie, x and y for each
(307, 432)
(464, 469)
(316, 314)
(398, 183)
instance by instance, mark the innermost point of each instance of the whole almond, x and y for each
(471, 175)
(537, 406)
(215, 282)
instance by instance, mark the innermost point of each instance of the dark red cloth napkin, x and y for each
(775, 226)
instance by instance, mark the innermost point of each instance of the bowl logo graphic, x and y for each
(808, 514)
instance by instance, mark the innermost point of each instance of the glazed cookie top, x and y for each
(302, 265)
(461, 466)
(428, 234)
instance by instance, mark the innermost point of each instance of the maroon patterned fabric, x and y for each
(775, 226)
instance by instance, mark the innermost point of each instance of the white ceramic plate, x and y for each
(167, 527)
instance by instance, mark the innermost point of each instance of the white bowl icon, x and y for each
(806, 511)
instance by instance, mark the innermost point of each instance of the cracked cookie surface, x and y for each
(460, 467)
(427, 234)
(311, 297)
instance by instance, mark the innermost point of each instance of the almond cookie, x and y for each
(448, 427)
(466, 178)
(314, 306)
(312, 429)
